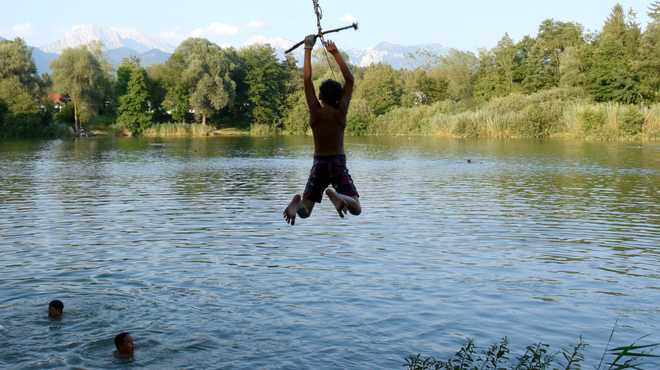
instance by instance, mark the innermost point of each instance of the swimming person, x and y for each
(328, 121)
(125, 346)
(55, 308)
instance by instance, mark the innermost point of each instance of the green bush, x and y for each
(632, 121)
(66, 114)
(297, 119)
(22, 125)
(465, 126)
(593, 120)
(119, 129)
(359, 117)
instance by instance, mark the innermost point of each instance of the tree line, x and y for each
(250, 87)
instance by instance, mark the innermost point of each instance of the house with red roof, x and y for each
(58, 99)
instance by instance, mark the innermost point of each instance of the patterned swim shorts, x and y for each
(329, 169)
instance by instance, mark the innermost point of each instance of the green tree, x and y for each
(647, 64)
(572, 68)
(20, 87)
(624, 28)
(78, 73)
(98, 50)
(16, 61)
(421, 59)
(458, 69)
(324, 65)
(133, 105)
(265, 79)
(423, 87)
(123, 75)
(610, 75)
(542, 61)
(381, 87)
(654, 12)
(177, 96)
(157, 90)
(206, 71)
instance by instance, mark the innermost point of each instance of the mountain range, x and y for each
(389, 52)
(150, 50)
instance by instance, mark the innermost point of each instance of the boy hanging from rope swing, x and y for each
(328, 121)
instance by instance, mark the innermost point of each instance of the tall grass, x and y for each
(555, 112)
(178, 130)
(165, 130)
(119, 129)
(257, 129)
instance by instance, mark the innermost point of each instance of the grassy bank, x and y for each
(549, 113)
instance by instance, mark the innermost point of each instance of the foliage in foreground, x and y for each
(536, 357)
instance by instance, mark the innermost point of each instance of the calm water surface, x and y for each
(182, 243)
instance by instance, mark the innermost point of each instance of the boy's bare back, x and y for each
(328, 122)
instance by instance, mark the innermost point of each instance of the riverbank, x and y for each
(550, 113)
(554, 113)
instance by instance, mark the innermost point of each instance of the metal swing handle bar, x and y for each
(296, 46)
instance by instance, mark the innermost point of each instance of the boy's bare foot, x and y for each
(338, 201)
(292, 210)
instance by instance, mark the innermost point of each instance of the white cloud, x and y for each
(349, 18)
(222, 29)
(24, 29)
(196, 33)
(255, 25)
(174, 34)
(74, 28)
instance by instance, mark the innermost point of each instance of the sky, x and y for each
(465, 25)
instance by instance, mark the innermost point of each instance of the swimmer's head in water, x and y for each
(124, 343)
(55, 308)
(331, 91)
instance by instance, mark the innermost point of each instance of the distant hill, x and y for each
(42, 59)
(152, 56)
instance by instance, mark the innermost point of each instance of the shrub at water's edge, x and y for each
(536, 357)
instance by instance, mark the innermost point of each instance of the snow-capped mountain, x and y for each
(394, 54)
(140, 41)
(132, 39)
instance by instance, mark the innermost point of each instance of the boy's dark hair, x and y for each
(57, 304)
(331, 91)
(119, 339)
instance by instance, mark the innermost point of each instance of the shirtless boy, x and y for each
(328, 121)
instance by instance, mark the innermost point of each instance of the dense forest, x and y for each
(565, 81)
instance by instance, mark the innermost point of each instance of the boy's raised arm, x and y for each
(310, 93)
(346, 72)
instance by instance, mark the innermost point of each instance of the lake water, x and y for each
(182, 243)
